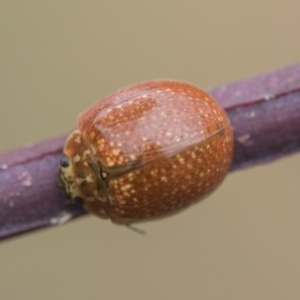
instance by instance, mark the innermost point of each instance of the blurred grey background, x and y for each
(58, 57)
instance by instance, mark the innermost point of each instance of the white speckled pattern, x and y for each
(162, 145)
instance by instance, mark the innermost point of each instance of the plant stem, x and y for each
(265, 115)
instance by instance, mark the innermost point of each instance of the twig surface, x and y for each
(264, 112)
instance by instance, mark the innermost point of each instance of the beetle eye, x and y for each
(64, 162)
(78, 201)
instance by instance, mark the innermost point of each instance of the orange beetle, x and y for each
(146, 151)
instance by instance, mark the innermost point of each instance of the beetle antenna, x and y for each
(135, 229)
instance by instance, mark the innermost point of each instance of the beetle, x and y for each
(147, 151)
